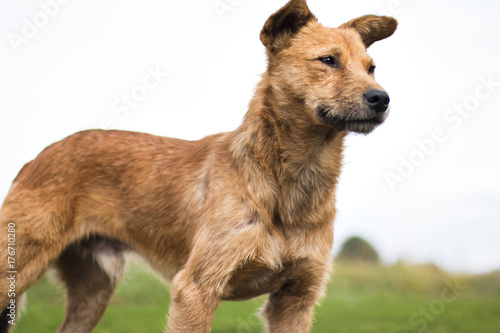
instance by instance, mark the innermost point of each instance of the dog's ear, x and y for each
(284, 24)
(372, 28)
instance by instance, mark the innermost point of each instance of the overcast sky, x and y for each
(423, 187)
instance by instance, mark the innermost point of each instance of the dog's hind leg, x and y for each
(90, 270)
(6, 319)
(16, 279)
(32, 243)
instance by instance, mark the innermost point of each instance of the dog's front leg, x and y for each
(193, 307)
(290, 309)
(200, 286)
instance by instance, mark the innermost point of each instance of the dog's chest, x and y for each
(285, 258)
(257, 277)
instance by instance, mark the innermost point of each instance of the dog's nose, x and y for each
(378, 100)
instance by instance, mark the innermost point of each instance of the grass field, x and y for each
(360, 298)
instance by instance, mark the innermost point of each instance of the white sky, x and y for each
(70, 73)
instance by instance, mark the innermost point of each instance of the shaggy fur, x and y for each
(229, 217)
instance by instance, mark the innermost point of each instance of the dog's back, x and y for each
(110, 182)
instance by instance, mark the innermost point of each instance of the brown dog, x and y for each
(230, 217)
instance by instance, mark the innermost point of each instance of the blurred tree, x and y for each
(357, 249)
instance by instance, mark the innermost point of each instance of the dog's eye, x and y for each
(331, 61)
(371, 70)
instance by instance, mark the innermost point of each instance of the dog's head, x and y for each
(326, 68)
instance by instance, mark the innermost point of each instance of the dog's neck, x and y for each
(280, 141)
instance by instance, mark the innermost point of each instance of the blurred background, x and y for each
(423, 188)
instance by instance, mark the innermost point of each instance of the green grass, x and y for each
(360, 298)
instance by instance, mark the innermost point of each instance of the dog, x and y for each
(230, 217)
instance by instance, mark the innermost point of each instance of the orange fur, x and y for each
(229, 217)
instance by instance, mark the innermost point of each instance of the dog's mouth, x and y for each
(359, 124)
